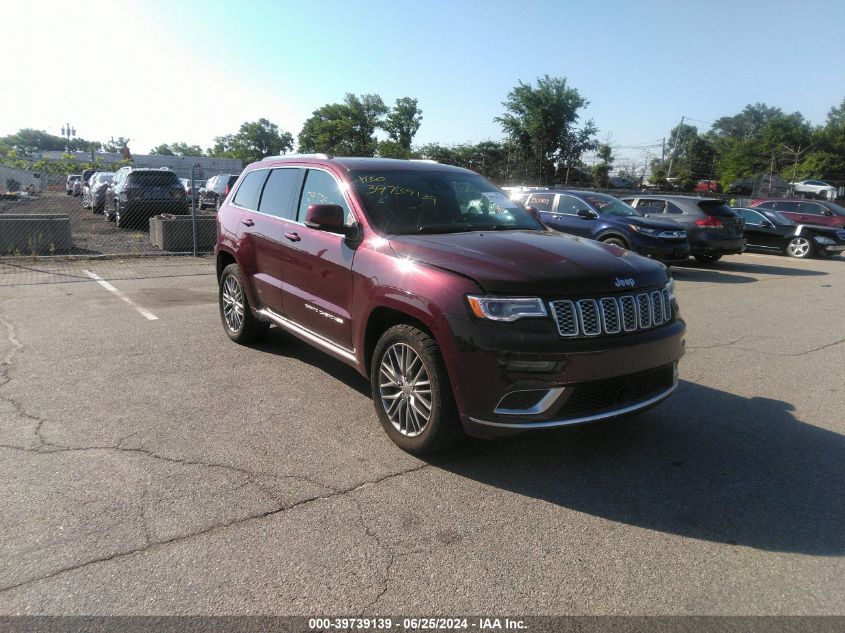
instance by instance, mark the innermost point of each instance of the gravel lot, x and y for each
(92, 234)
(151, 466)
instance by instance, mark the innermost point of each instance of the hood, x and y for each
(533, 262)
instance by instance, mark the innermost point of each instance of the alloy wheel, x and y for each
(233, 304)
(405, 389)
(799, 247)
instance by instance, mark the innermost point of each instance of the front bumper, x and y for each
(510, 377)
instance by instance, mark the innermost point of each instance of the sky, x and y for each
(160, 71)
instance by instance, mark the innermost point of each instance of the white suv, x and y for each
(816, 188)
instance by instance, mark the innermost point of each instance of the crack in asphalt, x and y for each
(214, 528)
(732, 344)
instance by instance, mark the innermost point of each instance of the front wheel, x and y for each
(411, 391)
(708, 259)
(240, 323)
(799, 247)
(616, 241)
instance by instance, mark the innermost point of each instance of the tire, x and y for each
(110, 214)
(800, 247)
(419, 415)
(218, 202)
(86, 201)
(123, 220)
(240, 324)
(708, 259)
(616, 241)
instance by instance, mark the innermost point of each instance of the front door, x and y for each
(317, 266)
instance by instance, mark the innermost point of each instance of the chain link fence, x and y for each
(134, 211)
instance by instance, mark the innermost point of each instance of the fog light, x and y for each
(531, 365)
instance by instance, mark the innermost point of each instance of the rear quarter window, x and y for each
(716, 208)
(250, 189)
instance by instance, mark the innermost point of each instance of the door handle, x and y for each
(293, 237)
(247, 222)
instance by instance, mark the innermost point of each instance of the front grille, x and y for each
(614, 393)
(612, 315)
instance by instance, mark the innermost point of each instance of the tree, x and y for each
(602, 170)
(177, 149)
(542, 122)
(253, 141)
(116, 146)
(344, 129)
(403, 122)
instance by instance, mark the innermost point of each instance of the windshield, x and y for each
(405, 202)
(611, 206)
(835, 208)
(777, 217)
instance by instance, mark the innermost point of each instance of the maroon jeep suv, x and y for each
(465, 313)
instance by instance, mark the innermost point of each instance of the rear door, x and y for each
(759, 231)
(317, 265)
(266, 198)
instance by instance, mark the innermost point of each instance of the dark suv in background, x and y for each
(136, 194)
(607, 219)
(713, 228)
(215, 190)
(463, 310)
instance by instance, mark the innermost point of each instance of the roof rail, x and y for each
(323, 156)
(423, 160)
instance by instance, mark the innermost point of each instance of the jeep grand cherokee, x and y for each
(463, 310)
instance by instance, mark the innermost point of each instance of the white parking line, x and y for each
(141, 309)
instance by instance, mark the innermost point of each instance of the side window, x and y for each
(752, 217)
(651, 206)
(541, 202)
(321, 188)
(789, 207)
(279, 193)
(250, 189)
(810, 208)
(569, 205)
(673, 208)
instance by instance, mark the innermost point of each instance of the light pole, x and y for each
(68, 132)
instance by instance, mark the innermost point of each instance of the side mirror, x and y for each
(587, 214)
(827, 212)
(325, 217)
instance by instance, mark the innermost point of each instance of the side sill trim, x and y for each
(587, 418)
(308, 335)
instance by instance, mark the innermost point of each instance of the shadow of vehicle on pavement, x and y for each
(723, 268)
(706, 464)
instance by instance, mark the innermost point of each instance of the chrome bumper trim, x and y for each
(541, 407)
(587, 418)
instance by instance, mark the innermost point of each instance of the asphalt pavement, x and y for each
(148, 465)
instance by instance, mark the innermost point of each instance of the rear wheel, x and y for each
(121, 217)
(110, 212)
(240, 323)
(799, 247)
(708, 259)
(411, 391)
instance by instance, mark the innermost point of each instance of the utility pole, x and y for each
(674, 147)
(663, 151)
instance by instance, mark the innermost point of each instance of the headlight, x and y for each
(670, 288)
(824, 240)
(666, 235)
(644, 229)
(506, 308)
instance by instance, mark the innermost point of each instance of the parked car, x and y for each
(768, 230)
(94, 193)
(607, 219)
(713, 228)
(215, 191)
(814, 189)
(137, 194)
(192, 193)
(743, 186)
(83, 183)
(805, 211)
(620, 182)
(467, 312)
(707, 186)
(71, 179)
